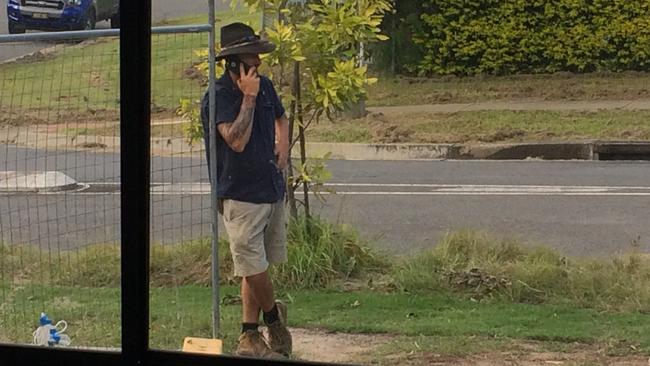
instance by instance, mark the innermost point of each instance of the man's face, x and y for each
(251, 59)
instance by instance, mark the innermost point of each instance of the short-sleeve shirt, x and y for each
(252, 175)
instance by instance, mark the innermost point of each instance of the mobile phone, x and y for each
(233, 65)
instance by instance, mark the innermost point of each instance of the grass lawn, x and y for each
(85, 76)
(391, 91)
(442, 324)
(486, 126)
(460, 127)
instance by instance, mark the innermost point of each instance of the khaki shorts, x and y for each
(257, 233)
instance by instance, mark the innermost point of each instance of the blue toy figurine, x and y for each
(48, 334)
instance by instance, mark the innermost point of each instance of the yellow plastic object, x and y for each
(203, 345)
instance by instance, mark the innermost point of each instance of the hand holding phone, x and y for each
(234, 66)
(249, 82)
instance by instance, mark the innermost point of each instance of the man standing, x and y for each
(253, 147)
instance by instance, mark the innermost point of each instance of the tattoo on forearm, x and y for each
(241, 128)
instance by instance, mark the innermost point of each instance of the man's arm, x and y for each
(282, 141)
(238, 133)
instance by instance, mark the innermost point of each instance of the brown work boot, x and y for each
(279, 336)
(252, 344)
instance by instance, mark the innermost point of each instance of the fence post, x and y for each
(213, 175)
(135, 164)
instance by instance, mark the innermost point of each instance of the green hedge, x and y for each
(466, 37)
(400, 52)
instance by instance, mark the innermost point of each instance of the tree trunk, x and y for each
(301, 136)
(393, 42)
(291, 193)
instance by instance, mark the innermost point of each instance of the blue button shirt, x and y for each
(252, 175)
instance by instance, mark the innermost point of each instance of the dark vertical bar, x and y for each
(212, 141)
(393, 44)
(135, 92)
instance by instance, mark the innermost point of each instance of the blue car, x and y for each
(58, 15)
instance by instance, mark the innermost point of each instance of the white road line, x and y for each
(377, 193)
(420, 185)
(425, 185)
(416, 193)
(203, 188)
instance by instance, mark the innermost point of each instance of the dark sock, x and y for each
(248, 326)
(272, 316)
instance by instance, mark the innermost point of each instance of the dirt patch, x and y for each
(366, 349)
(38, 56)
(322, 346)
(440, 97)
(530, 359)
(96, 79)
(390, 133)
(44, 116)
(193, 73)
(92, 145)
(503, 134)
(635, 134)
(383, 130)
(9, 118)
(71, 118)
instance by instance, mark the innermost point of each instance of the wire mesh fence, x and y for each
(60, 193)
(181, 231)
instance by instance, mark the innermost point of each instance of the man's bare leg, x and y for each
(251, 341)
(279, 337)
(250, 307)
(260, 289)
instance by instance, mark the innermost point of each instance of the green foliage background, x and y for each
(400, 25)
(468, 37)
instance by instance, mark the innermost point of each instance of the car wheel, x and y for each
(91, 21)
(15, 28)
(115, 20)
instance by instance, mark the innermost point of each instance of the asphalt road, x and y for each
(578, 207)
(161, 9)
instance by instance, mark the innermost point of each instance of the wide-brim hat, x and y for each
(238, 38)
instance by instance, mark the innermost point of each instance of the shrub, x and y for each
(320, 253)
(533, 36)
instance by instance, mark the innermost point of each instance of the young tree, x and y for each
(318, 69)
(319, 53)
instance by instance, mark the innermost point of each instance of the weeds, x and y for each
(317, 257)
(485, 267)
(322, 255)
(320, 252)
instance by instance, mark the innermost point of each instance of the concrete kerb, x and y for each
(576, 150)
(519, 151)
(581, 150)
(51, 181)
(352, 151)
(48, 181)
